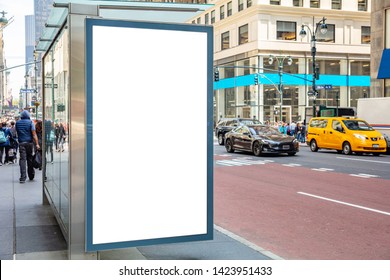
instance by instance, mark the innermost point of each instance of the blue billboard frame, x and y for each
(89, 24)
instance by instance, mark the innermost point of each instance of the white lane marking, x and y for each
(232, 162)
(345, 203)
(241, 161)
(223, 155)
(362, 175)
(291, 164)
(322, 169)
(368, 160)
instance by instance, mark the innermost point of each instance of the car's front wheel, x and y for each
(220, 139)
(257, 149)
(229, 146)
(347, 148)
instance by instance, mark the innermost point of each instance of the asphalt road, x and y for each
(316, 206)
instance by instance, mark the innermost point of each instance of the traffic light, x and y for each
(216, 76)
(256, 79)
(317, 73)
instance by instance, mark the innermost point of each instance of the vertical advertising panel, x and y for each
(149, 133)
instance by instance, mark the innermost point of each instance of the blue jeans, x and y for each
(26, 155)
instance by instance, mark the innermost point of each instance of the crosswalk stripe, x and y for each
(362, 175)
(322, 169)
(292, 164)
(232, 162)
(249, 161)
(240, 162)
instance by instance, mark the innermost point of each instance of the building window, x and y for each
(222, 12)
(298, 3)
(206, 19)
(230, 103)
(286, 30)
(274, 2)
(366, 34)
(225, 40)
(362, 5)
(360, 68)
(329, 36)
(387, 88)
(229, 9)
(358, 92)
(329, 67)
(249, 3)
(243, 34)
(336, 4)
(314, 3)
(240, 5)
(212, 17)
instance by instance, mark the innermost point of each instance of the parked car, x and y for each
(344, 134)
(260, 139)
(387, 138)
(227, 124)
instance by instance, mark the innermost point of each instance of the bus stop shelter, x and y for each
(115, 79)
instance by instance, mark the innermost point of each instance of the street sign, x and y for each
(324, 86)
(28, 90)
(51, 85)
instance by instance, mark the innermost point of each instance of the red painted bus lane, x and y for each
(265, 205)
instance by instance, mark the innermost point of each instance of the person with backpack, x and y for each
(26, 136)
(14, 141)
(5, 134)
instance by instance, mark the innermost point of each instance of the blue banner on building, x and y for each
(384, 68)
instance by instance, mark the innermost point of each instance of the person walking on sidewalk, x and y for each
(61, 138)
(49, 139)
(26, 136)
(5, 134)
(14, 140)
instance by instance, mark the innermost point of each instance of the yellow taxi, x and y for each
(344, 134)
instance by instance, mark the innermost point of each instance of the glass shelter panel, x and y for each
(56, 127)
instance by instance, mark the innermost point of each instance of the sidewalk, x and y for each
(29, 231)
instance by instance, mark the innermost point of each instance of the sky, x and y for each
(14, 42)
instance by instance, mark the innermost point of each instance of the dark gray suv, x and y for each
(227, 124)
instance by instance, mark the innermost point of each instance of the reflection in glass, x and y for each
(56, 120)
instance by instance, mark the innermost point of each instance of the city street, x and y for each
(320, 205)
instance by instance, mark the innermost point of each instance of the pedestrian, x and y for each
(14, 140)
(39, 131)
(5, 134)
(26, 136)
(61, 138)
(293, 125)
(49, 139)
(57, 135)
(303, 133)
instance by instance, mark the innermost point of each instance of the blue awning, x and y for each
(384, 67)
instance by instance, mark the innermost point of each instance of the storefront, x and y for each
(341, 83)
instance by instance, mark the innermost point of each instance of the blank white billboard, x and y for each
(149, 139)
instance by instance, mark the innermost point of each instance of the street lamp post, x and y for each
(315, 70)
(26, 86)
(280, 60)
(36, 83)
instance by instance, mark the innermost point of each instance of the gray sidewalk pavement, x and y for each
(29, 231)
